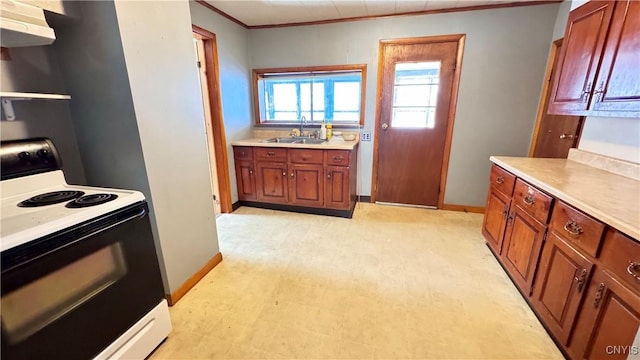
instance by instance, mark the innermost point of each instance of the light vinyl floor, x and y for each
(392, 282)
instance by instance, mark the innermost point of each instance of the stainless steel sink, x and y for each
(294, 140)
(284, 140)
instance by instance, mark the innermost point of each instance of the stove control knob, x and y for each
(43, 153)
(26, 156)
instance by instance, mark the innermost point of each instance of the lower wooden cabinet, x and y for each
(522, 244)
(306, 185)
(271, 182)
(562, 279)
(495, 218)
(301, 178)
(608, 322)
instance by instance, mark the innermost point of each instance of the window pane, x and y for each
(346, 96)
(286, 97)
(415, 94)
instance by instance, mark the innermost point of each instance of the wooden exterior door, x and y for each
(495, 219)
(337, 194)
(607, 321)
(562, 278)
(246, 180)
(306, 185)
(584, 39)
(521, 250)
(271, 182)
(618, 84)
(556, 134)
(416, 81)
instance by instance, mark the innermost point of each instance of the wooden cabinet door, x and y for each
(580, 55)
(271, 182)
(246, 180)
(337, 194)
(522, 243)
(495, 219)
(306, 185)
(618, 84)
(562, 277)
(608, 322)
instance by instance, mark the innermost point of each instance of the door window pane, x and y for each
(415, 94)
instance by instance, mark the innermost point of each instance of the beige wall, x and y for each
(504, 61)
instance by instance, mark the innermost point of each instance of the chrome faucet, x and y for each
(303, 120)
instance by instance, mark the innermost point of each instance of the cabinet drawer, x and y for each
(337, 157)
(532, 200)
(243, 152)
(305, 156)
(577, 228)
(621, 256)
(271, 154)
(502, 180)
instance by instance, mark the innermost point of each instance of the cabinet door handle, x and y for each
(337, 158)
(510, 218)
(528, 200)
(329, 176)
(572, 228)
(243, 153)
(284, 172)
(598, 298)
(633, 268)
(581, 279)
(500, 180)
(292, 174)
(250, 171)
(505, 212)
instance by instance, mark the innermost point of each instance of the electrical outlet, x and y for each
(366, 136)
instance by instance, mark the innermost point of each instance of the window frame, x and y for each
(258, 73)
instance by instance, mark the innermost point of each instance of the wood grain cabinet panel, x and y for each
(495, 218)
(618, 83)
(246, 180)
(580, 55)
(306, 185)
(271, 182)
(562, 278)
(337, 194)
(522, 244)
(608, 322)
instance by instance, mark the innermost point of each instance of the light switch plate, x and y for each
(366, 136)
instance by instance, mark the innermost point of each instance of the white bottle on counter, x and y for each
(323, 131)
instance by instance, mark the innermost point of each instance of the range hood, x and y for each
(23, 25)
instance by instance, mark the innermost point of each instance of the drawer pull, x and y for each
(633, 268)
(243, 153)
(528, 200)
(271, 153)
(598, 298)
(581, 279)
(337, 158)
(500, 179)
(573, 228)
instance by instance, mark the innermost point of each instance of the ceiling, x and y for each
(259, 13)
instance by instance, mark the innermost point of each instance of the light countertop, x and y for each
(333, 144)
(608, 197)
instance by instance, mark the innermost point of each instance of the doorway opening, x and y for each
(553, 135)
(418, 81)
(206, 49)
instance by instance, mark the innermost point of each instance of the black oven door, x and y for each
(70, 294)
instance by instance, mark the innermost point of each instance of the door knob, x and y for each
(566, 136)
(385, 126)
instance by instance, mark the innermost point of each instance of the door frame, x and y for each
(460, 39)
(546, 88)
(217, 120)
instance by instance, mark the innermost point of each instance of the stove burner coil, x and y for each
(91, 200)
(51, 198)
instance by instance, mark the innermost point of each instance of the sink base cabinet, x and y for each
(580, 277)
(315, 181)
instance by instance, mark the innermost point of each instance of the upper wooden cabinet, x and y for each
(597, 69)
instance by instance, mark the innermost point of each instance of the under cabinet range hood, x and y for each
(23, 25)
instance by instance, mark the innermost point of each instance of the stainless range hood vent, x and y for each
(23, 25)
